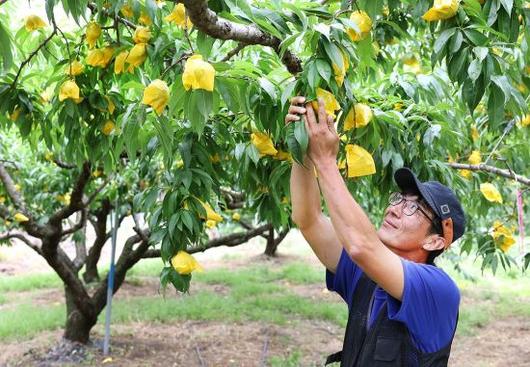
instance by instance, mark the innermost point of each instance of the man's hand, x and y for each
(323, 138)
(295, 110)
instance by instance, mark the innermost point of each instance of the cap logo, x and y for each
(445, 209)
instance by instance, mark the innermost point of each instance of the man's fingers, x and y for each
(297, 100)
(331, 125)
(311, 119)
(290, 118)
(293, 110)
(322, 118)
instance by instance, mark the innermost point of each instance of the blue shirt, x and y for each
(429, 307)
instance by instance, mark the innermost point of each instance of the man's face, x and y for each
(405, 233)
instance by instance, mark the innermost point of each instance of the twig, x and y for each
(67, 45)
(491, 169)
(64, 164)
(183, 57)
(201, 361)
(186, 30)
(234, 52)
(263, 362)
(10, 162)
(93, 7)
(506, 131)
(95, 193)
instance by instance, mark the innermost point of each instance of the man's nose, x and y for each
(395, 210)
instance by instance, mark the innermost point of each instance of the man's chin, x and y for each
(385, 236)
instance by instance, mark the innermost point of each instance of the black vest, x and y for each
(386, 344)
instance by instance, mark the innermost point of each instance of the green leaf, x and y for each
(442, 39)
(456, 41)
(199, 108)
(300, 134)
(268, 87)
(476, 38)
(293, 144)
(205, 44)
(181, 282)
(333, 53)
(474, 69)
(495, 105)
(323, 69)
(5, 47)
(472, 92)
(507, 5)
(503, 83)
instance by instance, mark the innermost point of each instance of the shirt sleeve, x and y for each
(345, 278)
(429, 306)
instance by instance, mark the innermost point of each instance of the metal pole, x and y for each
(110, 282)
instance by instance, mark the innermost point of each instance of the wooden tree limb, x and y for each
(234, 52)
(127, 259)
(280, 237)
(11, 190)
(76, 201)
(33, 54)
(94, 253)
(230, 240)
(64, 165)
(76, 227)
(64, 267)
(91, 198)
(208, 22)
(30, 226)
(22, 237)
(497, 171)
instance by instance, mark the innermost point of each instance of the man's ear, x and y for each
(434, 242)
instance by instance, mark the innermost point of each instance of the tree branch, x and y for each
(76, 227)
(497, 171)
(230, 240)
(76, 201)
(33, 54)
(234, 52)
(64, 164)
(127, 259)
(31, 226)
(208, 22)
(93, 7)
(95, 193)
(21, 236)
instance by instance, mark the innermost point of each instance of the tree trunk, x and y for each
(272, 243)
(270, 250)
(100, 227)
(78, 325)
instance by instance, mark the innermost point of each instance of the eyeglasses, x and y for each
(410, 207)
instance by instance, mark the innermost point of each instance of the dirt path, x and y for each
(502, 343)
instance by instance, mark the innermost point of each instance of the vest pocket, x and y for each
(387, 352)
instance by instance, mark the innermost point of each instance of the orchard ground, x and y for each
(244, 310)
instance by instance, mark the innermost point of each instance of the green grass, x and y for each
(27, 320)
(256, 293)
(19, 283)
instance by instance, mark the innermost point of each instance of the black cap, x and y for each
(440, 198)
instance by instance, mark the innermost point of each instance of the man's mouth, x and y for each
(390, 224)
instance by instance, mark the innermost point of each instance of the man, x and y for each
(403, 310)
